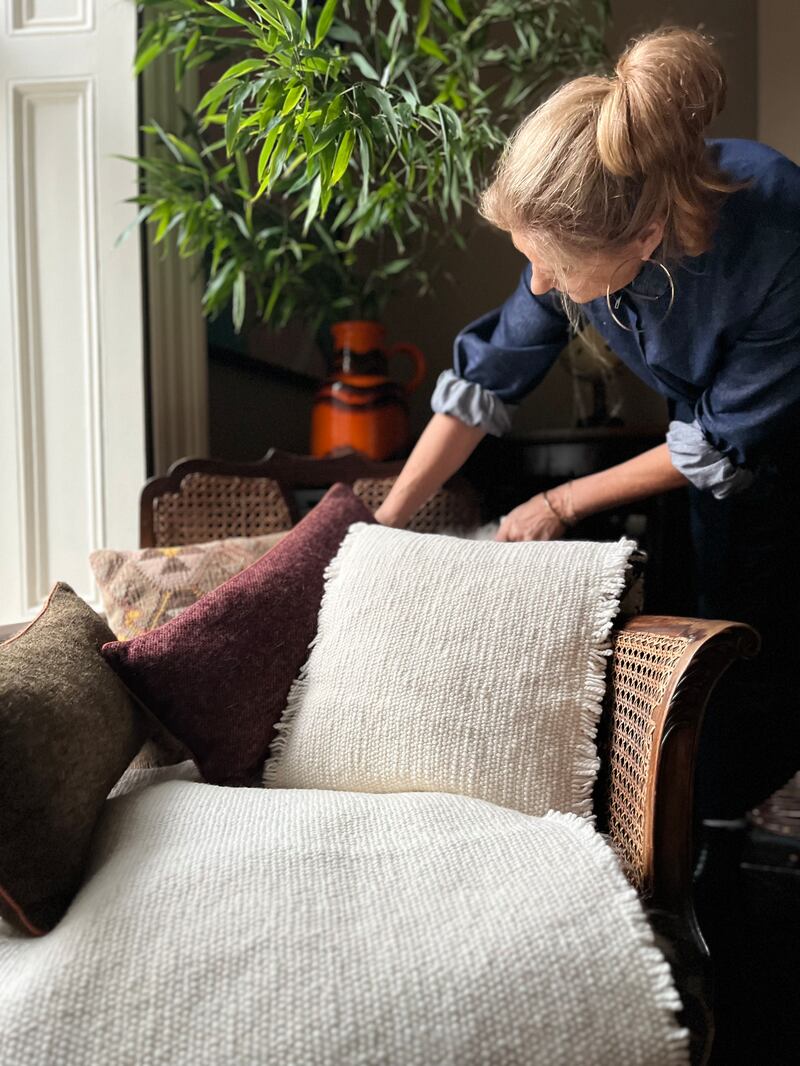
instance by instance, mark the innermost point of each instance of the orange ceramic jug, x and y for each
(359, 406)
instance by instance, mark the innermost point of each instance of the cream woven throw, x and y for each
(245, 927)
(451, 665)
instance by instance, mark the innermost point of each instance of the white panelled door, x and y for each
(72, 404)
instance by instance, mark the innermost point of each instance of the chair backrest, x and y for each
(209, 499)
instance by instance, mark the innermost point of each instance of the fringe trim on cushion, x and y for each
(300, 684)
(665, 994)
(587, 765)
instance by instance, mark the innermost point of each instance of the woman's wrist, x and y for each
(559, 501)
(552, 510)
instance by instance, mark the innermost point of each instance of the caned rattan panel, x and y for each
(449, 508)
(214, 506)
(642, 666)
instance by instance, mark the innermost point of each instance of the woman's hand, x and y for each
(532, 520)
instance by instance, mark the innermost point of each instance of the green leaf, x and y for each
(243, 173)
(327, 135)
(147, 56)
(244, 67)
(292, 98)
(324, 21)
(347, 34)
(395, 266)
(364, 66)
(335, 108)
(155, 128)
(431, 48)
(275, 292)
(286, 14)
(326, 199)
(226, 11)
(186, 151)
(166, 224)
(212, 97)
(424, 18)
(363, 154)
(383, 100)
(232, 120)
(326, 158)
(239, 290)
(267, 16)
(191, 44)
(343, 154)
(410, 99)
(218, 282)
(455, 194)
(455, 8)
(142, 215)
(299, 183)
(285, 144)
(277, 14)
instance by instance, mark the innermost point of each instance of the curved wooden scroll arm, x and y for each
(645, 804)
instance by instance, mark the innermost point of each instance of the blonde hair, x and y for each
(604, 156)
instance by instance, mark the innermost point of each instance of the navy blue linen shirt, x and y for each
(727, 354)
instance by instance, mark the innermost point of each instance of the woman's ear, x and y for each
(650, 237)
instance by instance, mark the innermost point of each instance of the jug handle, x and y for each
(420, 366)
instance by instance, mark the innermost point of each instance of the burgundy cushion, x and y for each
(217, 676)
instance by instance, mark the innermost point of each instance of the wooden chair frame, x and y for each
(686, 655)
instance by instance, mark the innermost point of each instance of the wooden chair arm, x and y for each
(663, 670)
(662, 673)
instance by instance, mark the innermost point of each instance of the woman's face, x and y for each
(590, 276)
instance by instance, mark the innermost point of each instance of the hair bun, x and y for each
(668, 87)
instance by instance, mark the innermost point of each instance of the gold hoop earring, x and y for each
(671, 283)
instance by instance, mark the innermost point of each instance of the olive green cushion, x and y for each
(68, 730)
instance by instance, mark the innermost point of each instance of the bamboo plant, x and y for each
(336, 145)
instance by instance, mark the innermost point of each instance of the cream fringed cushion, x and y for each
(449, 665)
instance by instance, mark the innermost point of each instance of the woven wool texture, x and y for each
(310, 928)
(145, 588)
(456, 666)
(68, 729)
(217, 676)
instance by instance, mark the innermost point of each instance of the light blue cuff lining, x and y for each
(701, 463)
(471, 403)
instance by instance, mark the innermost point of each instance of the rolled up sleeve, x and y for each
(702, 464)
(501, 357)
(753, 403)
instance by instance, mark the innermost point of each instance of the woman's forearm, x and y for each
(645, 475)
(444, 445)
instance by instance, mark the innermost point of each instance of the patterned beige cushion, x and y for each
(142, 589)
